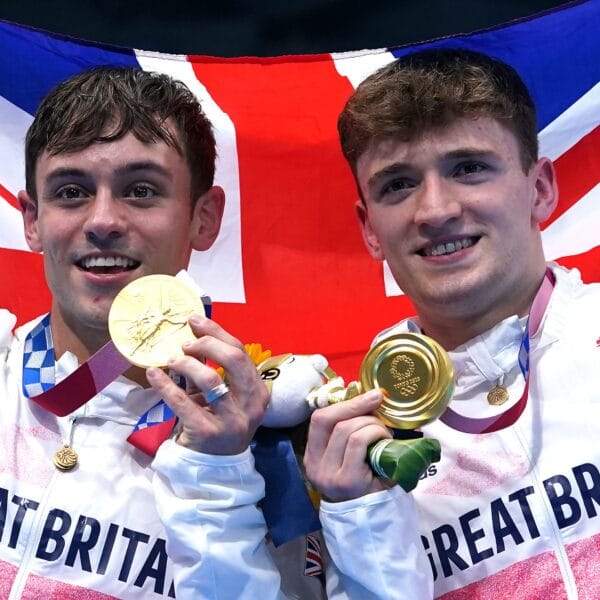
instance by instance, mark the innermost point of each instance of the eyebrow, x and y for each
(469, 153)
(65, 173)
(459, 153)
(74, 173)
(145, 166)
(386, 171)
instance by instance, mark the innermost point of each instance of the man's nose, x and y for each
(437, 203)
(105, 220)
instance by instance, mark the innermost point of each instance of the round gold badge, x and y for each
(497, 395)
(148, 319)
(65, 458)
(415, 375)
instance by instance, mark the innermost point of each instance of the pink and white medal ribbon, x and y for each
(89, 379)
(487, 425)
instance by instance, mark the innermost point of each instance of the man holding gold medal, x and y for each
(119, 190)
(443, 147)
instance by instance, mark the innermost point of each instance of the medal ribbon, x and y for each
(510, 416)
(75, 390)
(89, 379)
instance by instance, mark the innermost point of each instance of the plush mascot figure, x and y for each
(301, 383)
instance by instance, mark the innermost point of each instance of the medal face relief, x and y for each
(65, 458)
(415, 375)
(148, 319)
(497, 395)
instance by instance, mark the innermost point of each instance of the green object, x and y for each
(403, 461)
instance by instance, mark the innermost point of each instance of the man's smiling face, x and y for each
(455, 216)
(106, 215)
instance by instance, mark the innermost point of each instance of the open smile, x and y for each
(448, 247)
(107, 264)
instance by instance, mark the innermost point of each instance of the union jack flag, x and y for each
(289, 269)
(313, 565)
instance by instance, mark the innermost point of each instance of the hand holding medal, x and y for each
(150, 325)
(416, 378)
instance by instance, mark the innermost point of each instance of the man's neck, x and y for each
(452, 330)
(451, 333)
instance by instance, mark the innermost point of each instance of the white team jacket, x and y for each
(96, 532)
(516, 513)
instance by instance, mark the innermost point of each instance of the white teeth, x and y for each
(107, 261)
(449, 247)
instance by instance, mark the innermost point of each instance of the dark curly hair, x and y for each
(105, 103)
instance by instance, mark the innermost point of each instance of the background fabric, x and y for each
(289, 269)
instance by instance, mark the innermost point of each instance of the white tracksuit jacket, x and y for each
(96, 532)
(516, 514)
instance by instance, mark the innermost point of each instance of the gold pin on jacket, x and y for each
(65, 458)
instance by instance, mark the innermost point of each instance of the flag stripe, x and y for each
(9, 197)
(576, 231)
(568, 128)
(554, 52)
(225, 285)
(578, 172)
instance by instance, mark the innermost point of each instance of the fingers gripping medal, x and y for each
(416, 378)
(415, 375)
(148, 319)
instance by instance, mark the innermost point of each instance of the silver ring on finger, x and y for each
(215, 393)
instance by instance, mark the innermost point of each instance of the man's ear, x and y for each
(369, 236)
(206, 218)
(29, 211)
(546, 191)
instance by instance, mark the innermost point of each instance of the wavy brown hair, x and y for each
(430, 89)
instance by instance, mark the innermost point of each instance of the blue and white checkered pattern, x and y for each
(38, 359)
(160, 412)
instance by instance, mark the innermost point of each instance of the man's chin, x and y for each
(97, 317)
(446, 292)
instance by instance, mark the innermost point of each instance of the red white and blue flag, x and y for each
(289, 269)
(313, 564)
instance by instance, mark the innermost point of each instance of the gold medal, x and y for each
(415, 375)
(497, 395)
(65, 458)
(148, 319)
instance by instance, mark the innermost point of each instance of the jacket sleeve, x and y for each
(215, 531)
(375, 548)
